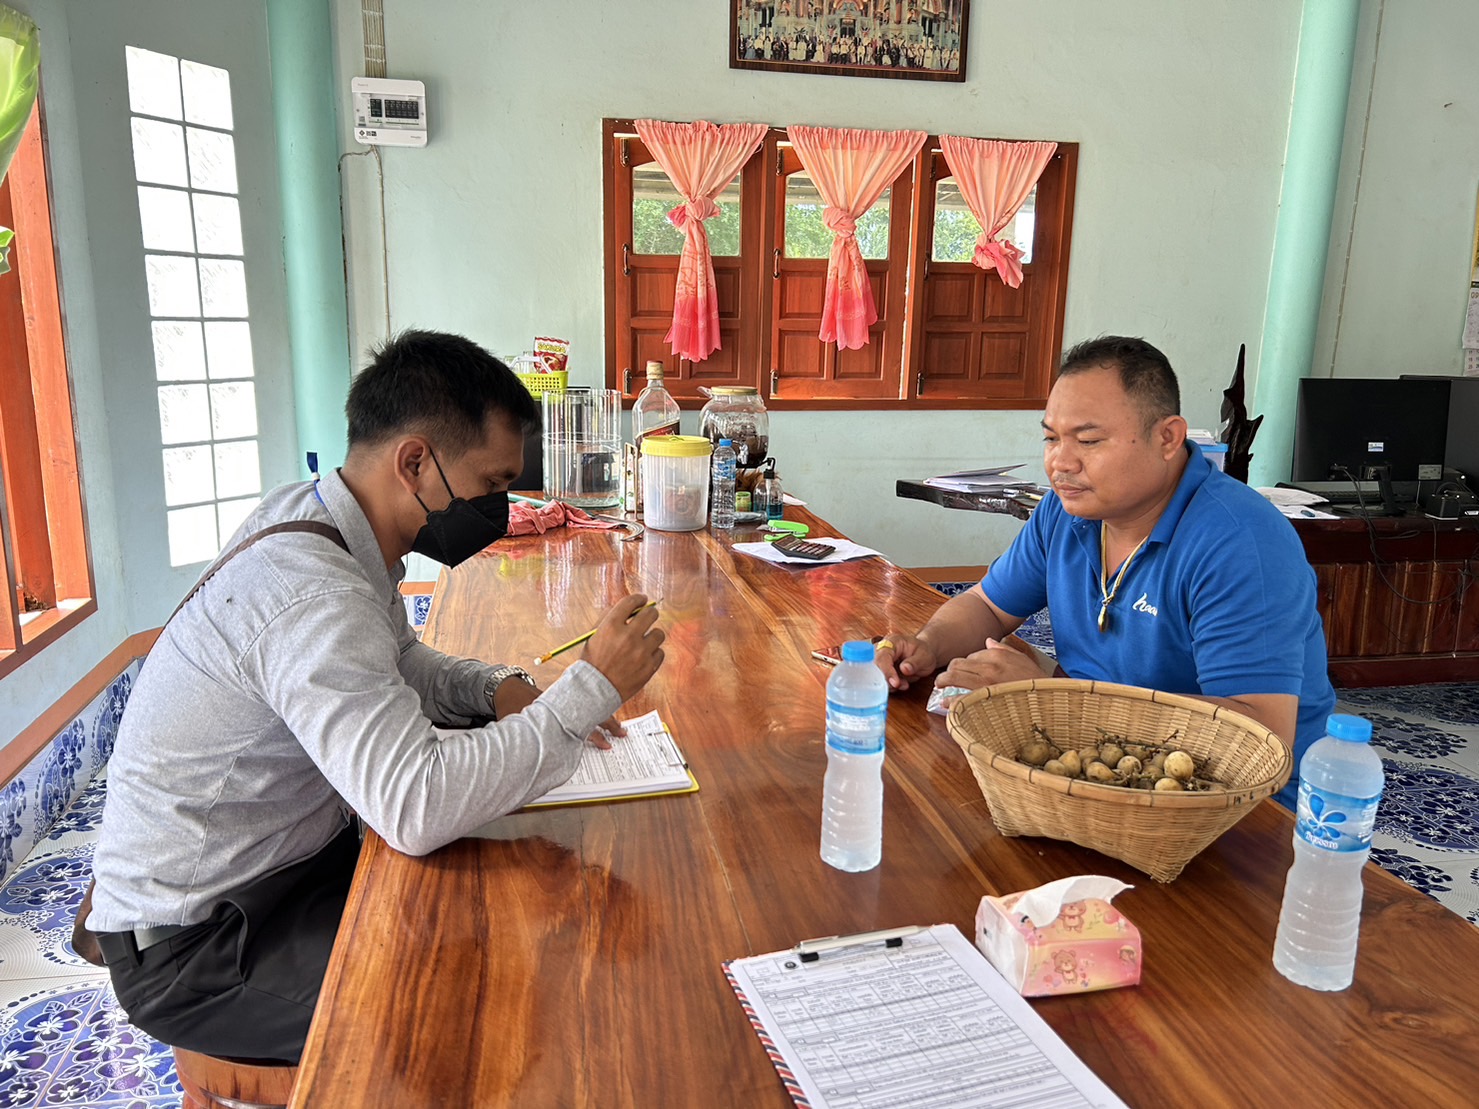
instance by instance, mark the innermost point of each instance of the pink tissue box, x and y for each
(1090, 946)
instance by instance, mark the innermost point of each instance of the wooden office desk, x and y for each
(574, 959)
(1398, 597)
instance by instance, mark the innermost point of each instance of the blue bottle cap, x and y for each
(725, 443)
(857, 650)
(1354, 729)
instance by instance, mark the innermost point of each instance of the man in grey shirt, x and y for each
(289, 691)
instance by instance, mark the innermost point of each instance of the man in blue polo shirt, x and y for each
(1157, 570)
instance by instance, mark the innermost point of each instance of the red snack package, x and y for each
(554, 353)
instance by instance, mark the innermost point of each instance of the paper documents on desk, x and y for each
(643, 763)
(1280, 496)
(978, 481)
(928, 1023)
(1297, 503)
(846, 550)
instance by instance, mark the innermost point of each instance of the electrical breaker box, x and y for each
(389, 112)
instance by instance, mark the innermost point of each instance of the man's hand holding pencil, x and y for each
(626, 647)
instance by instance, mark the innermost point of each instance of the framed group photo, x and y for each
(919, 40)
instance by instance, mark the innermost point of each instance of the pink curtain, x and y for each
(851, 169)
(995, 178)
(701, 160)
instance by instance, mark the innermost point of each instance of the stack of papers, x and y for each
(643, 763)
(992, 480)
(927, 1023)
(1296, 503)
(845, 551)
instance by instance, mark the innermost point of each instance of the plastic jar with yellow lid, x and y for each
(675, 482)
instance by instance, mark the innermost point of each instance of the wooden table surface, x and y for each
(573, 957)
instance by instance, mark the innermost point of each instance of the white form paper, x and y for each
(644, 761)
(843, 550)
(929, 1024)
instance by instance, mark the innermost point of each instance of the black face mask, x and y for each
(462, 529)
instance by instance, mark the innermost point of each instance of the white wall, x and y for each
(495, 227)
(1398, 273)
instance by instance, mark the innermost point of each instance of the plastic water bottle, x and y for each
(852, 792)
(1340, 780)
(721, 497)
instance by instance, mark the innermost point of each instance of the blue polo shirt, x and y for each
(1220, 601)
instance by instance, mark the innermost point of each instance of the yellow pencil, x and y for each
(579, 639)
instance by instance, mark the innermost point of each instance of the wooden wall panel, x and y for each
(802, 294)
(949, 297)
(862, 365)
(727, 287)
(801, 354)
(946, 358)
(652, 290)
(1004, 303)
(1003, 361)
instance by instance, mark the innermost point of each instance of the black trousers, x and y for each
(243, 984)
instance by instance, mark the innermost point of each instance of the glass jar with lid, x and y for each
(736, 413)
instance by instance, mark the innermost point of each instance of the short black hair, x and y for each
(1144, 371)
(435, 384)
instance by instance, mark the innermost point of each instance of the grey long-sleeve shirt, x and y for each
(291, 689)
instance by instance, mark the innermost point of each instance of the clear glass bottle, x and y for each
(736, 413)
(768, 498)
(654, 412)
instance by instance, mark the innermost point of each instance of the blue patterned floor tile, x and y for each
(1037, 630)
(1450, 703)
(1430, 807)
(72, 1045)
(85, 815)
(37, 907)
(951, 588)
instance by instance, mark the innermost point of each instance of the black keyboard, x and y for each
(1356, 493)
(1352, 497)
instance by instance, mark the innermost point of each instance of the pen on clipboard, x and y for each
(579, 639)
(811, 950)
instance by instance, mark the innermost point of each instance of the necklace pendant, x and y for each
(1104, 617)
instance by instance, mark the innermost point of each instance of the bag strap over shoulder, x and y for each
(328, 531)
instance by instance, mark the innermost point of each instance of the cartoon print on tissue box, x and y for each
(1064, 937)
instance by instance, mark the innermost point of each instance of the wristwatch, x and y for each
(501, 675)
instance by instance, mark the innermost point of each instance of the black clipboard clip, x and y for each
(811, 950)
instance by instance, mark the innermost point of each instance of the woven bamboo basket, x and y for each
(1158, 833)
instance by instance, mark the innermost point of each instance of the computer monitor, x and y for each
(1353, 427)
(1462, 450)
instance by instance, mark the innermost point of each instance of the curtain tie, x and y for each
(1004, 257)
(839, 222)
(701, 209)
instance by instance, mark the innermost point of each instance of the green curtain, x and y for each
(20, 55)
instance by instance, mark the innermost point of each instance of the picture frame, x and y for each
(915, 40)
